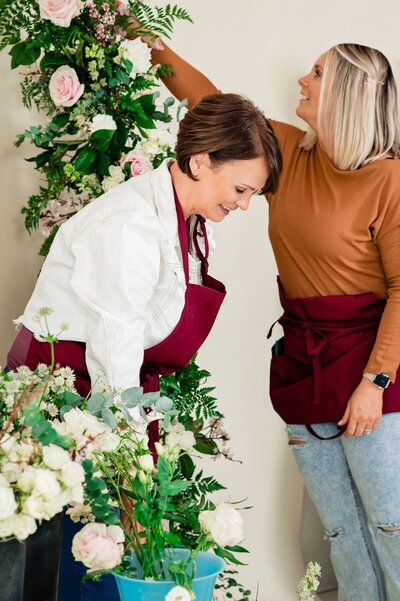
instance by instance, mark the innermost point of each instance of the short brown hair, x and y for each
(228, 127)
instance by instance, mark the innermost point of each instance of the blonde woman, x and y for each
(335, 231)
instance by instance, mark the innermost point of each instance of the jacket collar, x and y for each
(164, 200)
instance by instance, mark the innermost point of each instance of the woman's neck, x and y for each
(184, 190)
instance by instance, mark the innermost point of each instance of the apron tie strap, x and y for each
(315, 341)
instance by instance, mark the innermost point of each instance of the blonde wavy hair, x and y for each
(358, 117)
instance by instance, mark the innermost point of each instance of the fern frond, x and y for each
(17, 16)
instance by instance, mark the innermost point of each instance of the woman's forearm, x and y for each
(185, 81)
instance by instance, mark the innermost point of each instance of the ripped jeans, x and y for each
(355, 485)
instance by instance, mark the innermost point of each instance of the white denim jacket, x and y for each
(115, 274)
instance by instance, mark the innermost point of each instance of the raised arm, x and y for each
(186, 81)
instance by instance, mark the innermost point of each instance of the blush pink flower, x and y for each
(140, 162)
(65, 87)
(59, 12)
(98, 547)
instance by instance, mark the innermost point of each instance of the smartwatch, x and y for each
(380, 380)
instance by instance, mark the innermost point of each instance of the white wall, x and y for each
(258, 48)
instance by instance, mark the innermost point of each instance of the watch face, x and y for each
(382, 380)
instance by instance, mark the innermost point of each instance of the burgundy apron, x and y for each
(319, 362)
(202, 303)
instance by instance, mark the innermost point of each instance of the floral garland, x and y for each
(96, 88)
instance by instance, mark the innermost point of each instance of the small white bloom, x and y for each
(72, 474)
(146, 463)
(8, 504)
(23, 526)
(26, 480)
(55, 457)
(46, 483)
(6, 528)
(178, 593)
(13, 386)
(11, 471)
(102, 122)
(117, 176)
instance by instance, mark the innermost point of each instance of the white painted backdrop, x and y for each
(257, 48)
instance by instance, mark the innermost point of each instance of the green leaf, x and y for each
(101, 138)
(102, 164)
(53, 59)
(143, 514)
(108, 417)
(24, 53)
(205, 445)
(187, 466)
(228, 555)
(174, 488)
(85, 159)
(132, 396)
(96, 402)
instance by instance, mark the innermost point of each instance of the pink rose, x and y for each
(140, 162)
(59, 12)
(98, 547)
(65, 87)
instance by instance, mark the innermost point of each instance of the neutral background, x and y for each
(257, 48)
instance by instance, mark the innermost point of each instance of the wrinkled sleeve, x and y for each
(385, 357)
(116, 273)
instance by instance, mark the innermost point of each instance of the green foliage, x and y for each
(17, 16)
(158, 19)
(192, 399)
(112, 87)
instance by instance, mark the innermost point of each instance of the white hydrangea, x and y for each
(102, 122)
(115, 178)
(157, 141)
(138, 53)
(178, 438)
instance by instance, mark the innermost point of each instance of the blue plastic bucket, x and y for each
(208, 566)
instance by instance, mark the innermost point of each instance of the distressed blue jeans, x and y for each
(355, 485)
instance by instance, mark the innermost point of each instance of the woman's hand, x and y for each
(364, 409)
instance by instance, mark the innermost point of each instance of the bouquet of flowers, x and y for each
(41, 458)
(163, 504)
(97, 89)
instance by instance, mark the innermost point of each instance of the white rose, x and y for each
(60, 12)
(99, 547)
(72, 474)
(102, 122)
(138, 53)
(224, 524)
(8, 504)
(42, 509)
(6, 528)
(82, 422)
(23, 526)
(178, 593)
(26, 480)
(46, 483)
(11, 471)
(54, 456)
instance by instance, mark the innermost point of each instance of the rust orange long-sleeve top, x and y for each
(332, 231)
